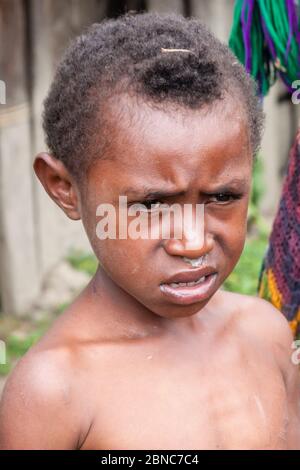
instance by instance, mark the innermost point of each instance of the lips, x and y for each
(191, 276)
(190, 286)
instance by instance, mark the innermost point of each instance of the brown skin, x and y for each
(126, 368)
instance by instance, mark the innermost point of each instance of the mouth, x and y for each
(190, 286)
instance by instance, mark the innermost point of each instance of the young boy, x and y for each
(153, 354)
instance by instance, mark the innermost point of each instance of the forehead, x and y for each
(175, 144)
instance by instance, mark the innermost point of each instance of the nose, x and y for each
(195, 241)
(189, 248)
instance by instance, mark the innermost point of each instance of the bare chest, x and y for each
(156, 402)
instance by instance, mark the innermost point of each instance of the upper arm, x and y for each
(274, 329)
(36, 410)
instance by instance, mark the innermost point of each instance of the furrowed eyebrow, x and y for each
(155, 193)
(234, 185)
(148, 193)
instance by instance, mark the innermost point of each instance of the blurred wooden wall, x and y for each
(34, 233)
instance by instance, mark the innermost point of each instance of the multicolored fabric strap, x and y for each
(265, 37)
(279, 280)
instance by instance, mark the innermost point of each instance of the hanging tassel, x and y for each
(265, 37)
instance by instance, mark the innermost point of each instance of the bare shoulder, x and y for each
(45, 403)
(267, 328)
(39, 407)
(262, 326)
(260, 318)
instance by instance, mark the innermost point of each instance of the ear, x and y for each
(58, 183)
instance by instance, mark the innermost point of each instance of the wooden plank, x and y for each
(167, 6)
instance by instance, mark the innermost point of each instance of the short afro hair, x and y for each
(118, 55)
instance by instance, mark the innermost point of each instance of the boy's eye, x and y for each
(147, 206)
(224, 197)
(151, 205)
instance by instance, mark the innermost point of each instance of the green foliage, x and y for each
(17, 346)
(244, 278)
(254, 216)
(61, 308)
(83, 262)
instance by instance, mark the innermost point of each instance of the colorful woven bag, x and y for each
(279, 280)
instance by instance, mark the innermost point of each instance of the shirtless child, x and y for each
(156, 109)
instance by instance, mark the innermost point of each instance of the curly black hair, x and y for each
(118, 55)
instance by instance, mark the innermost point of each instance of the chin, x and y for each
(177, 311)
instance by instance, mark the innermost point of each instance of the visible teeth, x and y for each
(187, 284)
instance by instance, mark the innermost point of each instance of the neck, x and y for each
(126, 315)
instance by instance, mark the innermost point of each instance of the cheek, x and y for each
(128, 262)
(237, 241)
(234, 235)
(229, 228)
(90, 220)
